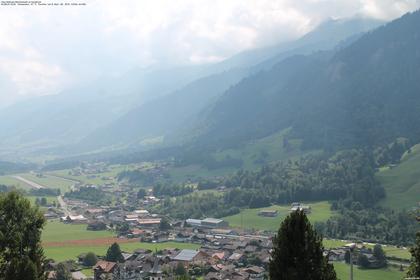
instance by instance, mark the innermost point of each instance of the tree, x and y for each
(363, 261)
(180, 269)
(298, 252)
(21, 254)
(90, 259)
(164, 224)
(141, 193)
(414, 270)
(62, 272)
(379, 254)
(114, 253)
(43, 201)
(123, 228)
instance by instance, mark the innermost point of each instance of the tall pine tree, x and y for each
(414, 270)
(298, 252)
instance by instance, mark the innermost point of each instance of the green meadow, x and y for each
(402, 182)
(49, 181)
(55, 231)
(249, 218)
(390, 273)
(10, 181)
(390, 250)
(71, 252)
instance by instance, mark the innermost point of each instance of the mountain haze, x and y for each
(171, 117)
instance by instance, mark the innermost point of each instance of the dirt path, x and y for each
(90, 242)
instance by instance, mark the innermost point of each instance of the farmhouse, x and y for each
(149, 222)
(193, 222)
(214, 223)
(104, 270)
(268, 213)
(74, 219)
(296, 206)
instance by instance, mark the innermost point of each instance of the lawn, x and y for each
(56, 231)
(71, 252)
(248, 218)
(391, 273)
(402, 182)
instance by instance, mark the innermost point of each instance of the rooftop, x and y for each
(186, 255)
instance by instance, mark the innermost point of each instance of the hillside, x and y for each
(402, 182)
(365, 94)
(169, 119)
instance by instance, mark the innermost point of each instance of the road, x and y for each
(30, 183)
(63, 206)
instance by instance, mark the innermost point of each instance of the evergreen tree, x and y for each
(414, 270)
(379, 254)
(298, 252)
(62, 272)
(21, 254)
(114, 253)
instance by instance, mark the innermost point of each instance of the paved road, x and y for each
(30, 183)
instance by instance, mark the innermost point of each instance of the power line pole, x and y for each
(351, 247)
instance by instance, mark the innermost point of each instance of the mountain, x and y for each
(169, 119)
(363, 94)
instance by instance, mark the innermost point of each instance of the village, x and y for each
(223, 252)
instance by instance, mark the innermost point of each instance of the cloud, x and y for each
(45, 49)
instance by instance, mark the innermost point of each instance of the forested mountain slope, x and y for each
(365, 94)
(171, 117)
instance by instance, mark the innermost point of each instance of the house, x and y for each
(214, 223)
(148, 223)
(156, 272)
(187, 256)
(255, 272)
(79, 219)
(141, 212)
(95, 226)
(193, 222)
(236, 257)
(300, 207)
(104, 269)
(78, 275)
(131, 217)
(268, 213)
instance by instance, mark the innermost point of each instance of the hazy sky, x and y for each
(46, 49)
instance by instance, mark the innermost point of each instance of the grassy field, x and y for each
(49, 181)
(10, 181)
(402, 183)
(390, 251)
(71, 252)
(55, 231)
(50, 199)
(391, 273)
(95, 179)
(263, 150)
(248, 218)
